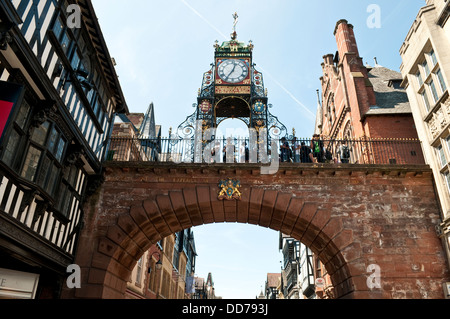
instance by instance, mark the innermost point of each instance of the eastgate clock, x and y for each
(233, 70)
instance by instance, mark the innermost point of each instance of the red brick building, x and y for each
(359, 101)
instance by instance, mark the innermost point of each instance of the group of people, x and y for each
(298, 151)
(315, 152)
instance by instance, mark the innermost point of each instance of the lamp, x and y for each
(158, 264)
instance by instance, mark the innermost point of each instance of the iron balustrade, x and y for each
(240, 150)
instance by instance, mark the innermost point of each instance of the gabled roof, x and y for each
(390, 97)
(273, 279)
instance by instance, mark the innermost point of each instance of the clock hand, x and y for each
(234, 67)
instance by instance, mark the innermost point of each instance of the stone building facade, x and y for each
(426, 77)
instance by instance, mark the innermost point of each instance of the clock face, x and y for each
(233, 71)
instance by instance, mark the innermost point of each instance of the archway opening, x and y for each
(239, 257)
(232, 107)
(232, 128)
(232, 141)
(234, 261)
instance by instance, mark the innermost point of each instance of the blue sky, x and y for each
(162, 49)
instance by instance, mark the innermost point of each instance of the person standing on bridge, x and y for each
(284, 150)
(305, 153)
(317, 148)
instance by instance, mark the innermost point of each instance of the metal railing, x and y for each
(240, 150)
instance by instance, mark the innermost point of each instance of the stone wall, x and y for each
(351, 216)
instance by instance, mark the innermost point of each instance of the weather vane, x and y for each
(236, 20)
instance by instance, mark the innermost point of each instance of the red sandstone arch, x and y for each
(151, 220)
(136, 207)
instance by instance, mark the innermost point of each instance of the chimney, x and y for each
(345, 38)
(328, 59)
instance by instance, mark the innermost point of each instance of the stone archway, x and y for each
(351, 217)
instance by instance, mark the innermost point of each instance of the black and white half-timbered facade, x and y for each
(58, 96)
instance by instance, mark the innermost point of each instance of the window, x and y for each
(58, 28)
(331, 110)
(75, 60)
(441, 80)
(31, 163)
(22, 117)
(40, 134)
(441, 154)
(65, 42)
(61, 33)
(426, 68)
(425, 100)
(42, 161)
(169, 248)
(447, 179)
(318, 268)
(64, 199)
(139, 272)
(12, 150)
(288, 253)
(165, 289)
(434, 91)
(433, 57)
(419, 78)
(176, 252)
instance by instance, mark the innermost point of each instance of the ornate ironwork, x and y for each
(214, 107)
(362, 151)
(188, 127)
(257, 84)
(275, 128)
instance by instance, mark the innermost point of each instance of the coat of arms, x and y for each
(229, 190)
(205, 106)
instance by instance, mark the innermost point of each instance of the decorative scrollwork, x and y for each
(188, 127)
(276, 128)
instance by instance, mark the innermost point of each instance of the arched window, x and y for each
(331, 109)
(348, 133)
